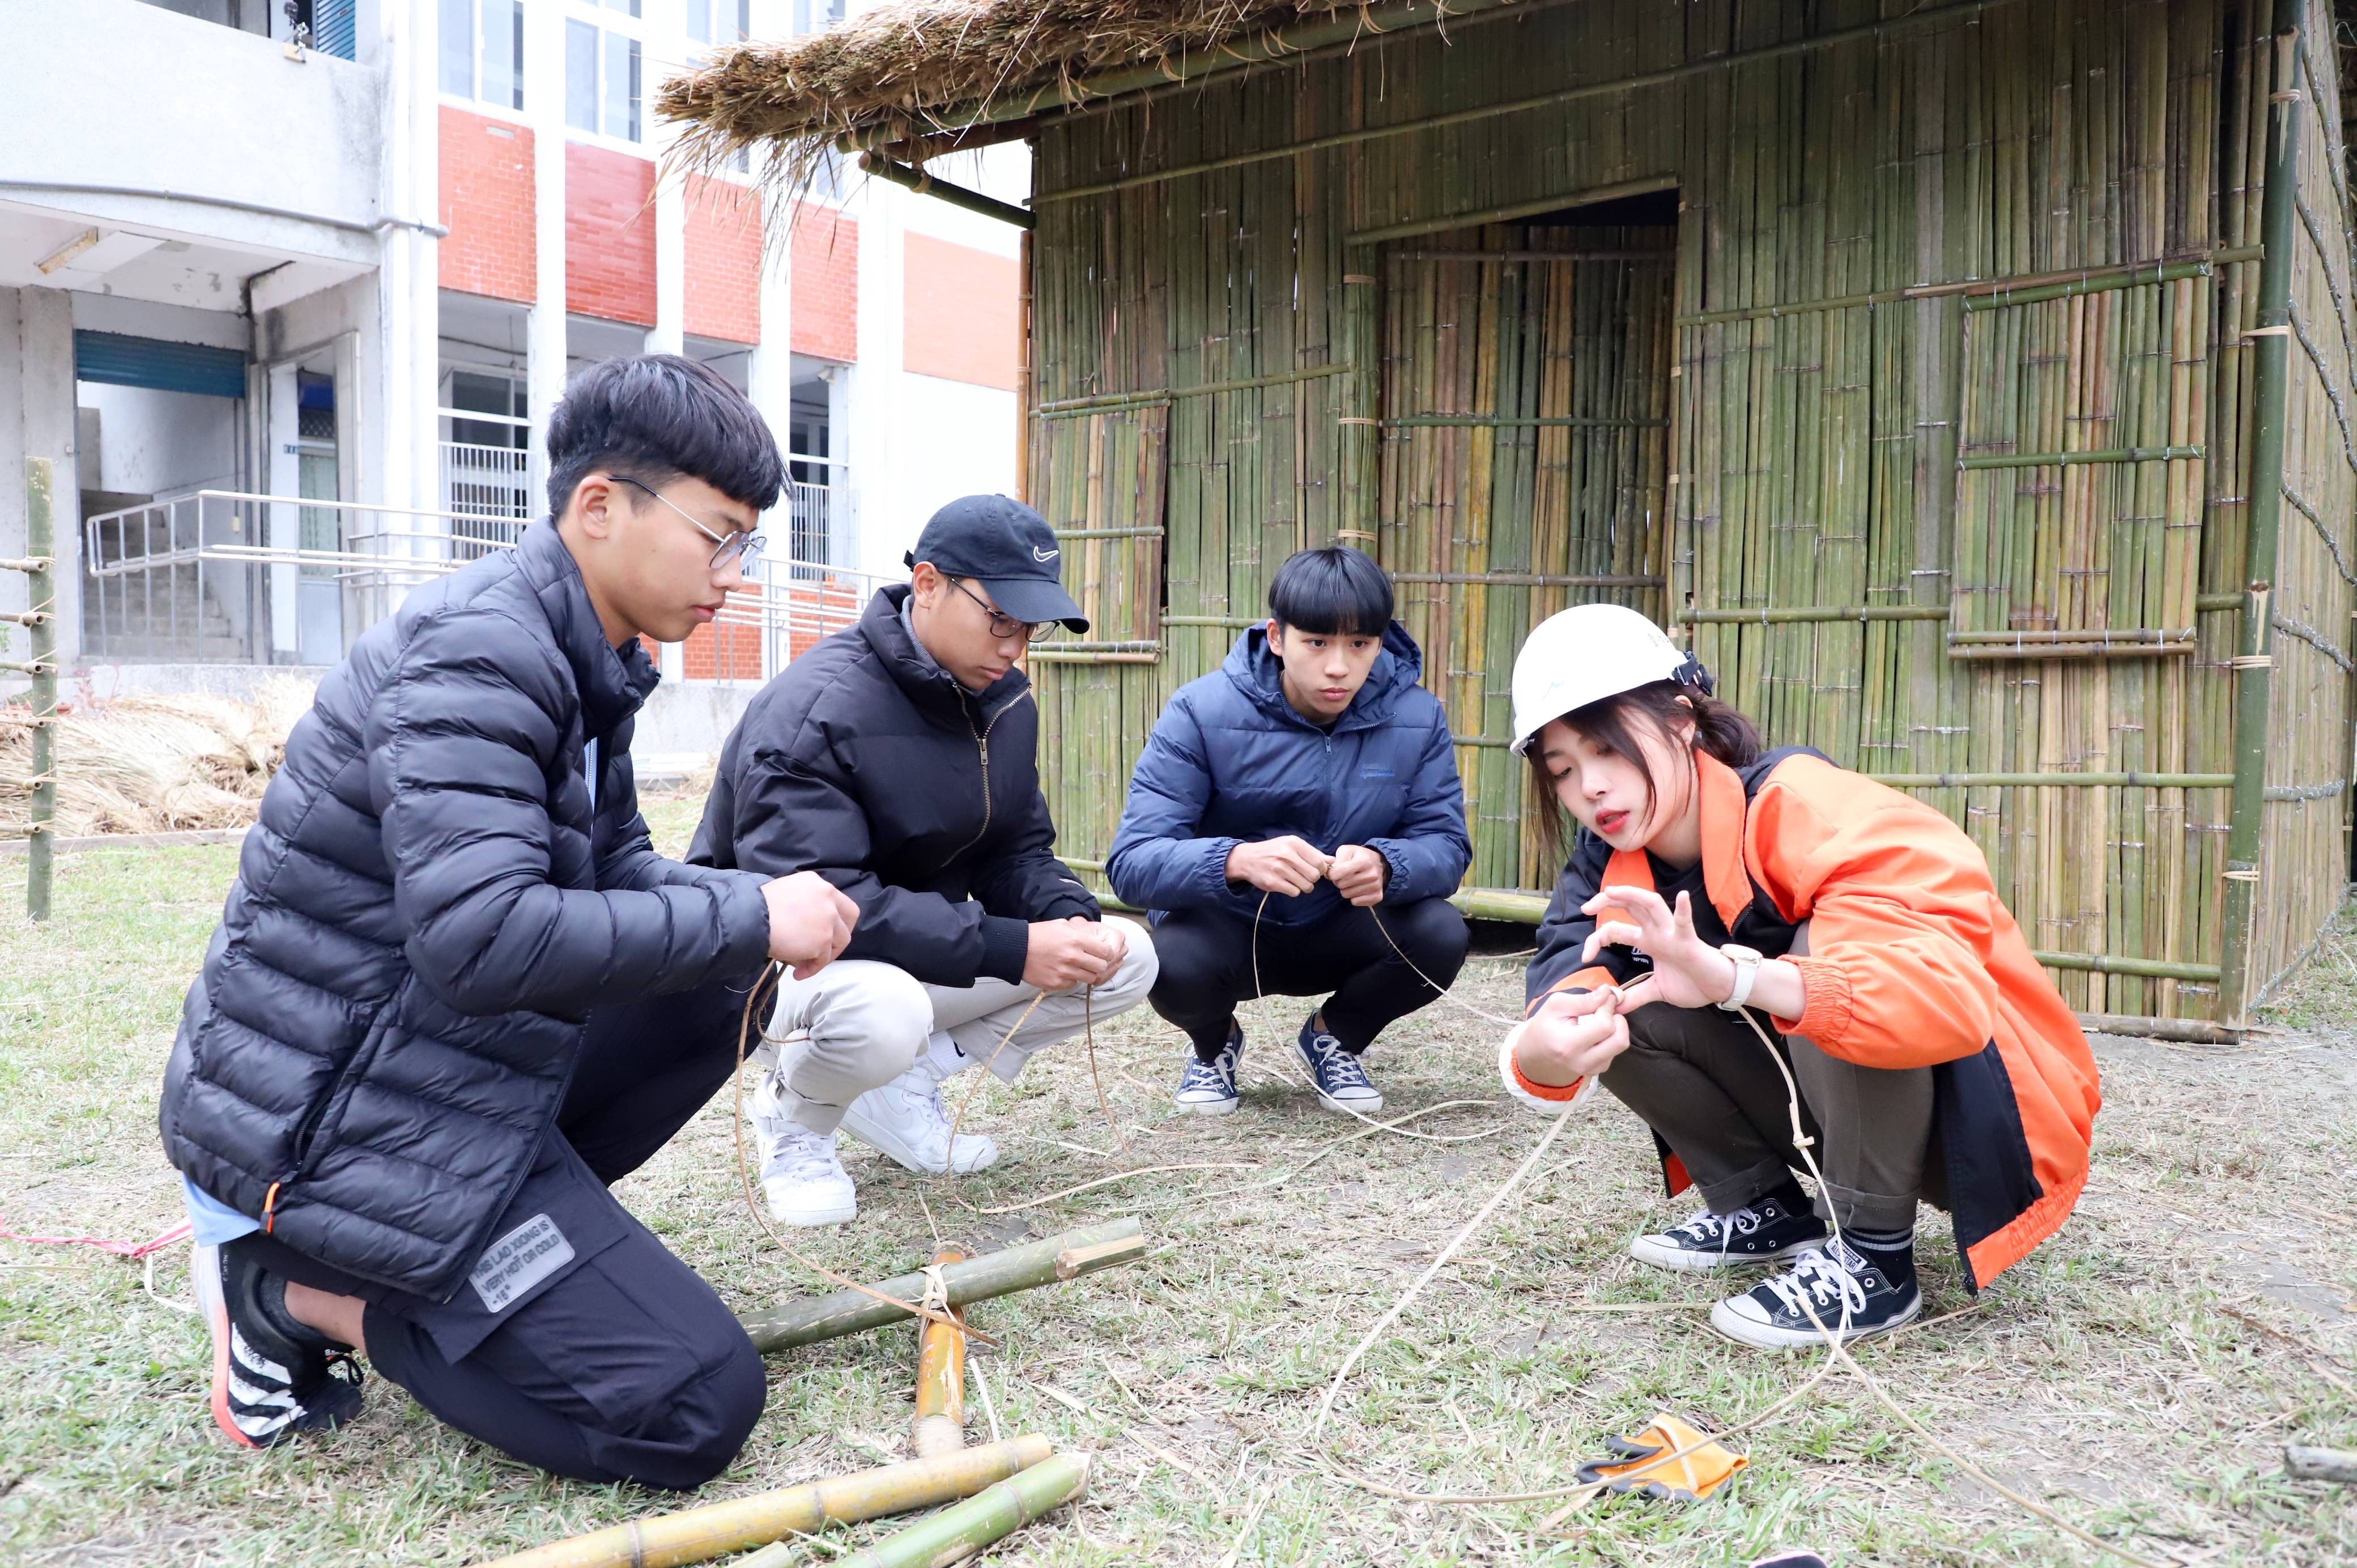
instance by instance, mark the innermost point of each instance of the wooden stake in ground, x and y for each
(1064, 1257)
(940, 1379)
(696, 1535)
(957, 1534)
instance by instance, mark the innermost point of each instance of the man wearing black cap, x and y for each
(898, 759)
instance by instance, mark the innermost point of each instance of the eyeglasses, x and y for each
(743, 548)
(1003, 625)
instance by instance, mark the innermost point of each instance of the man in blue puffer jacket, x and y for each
(1296, 825)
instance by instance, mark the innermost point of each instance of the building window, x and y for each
(482, 50)
(602, 81)
(719, 21)
(816, 15)
(628, 7)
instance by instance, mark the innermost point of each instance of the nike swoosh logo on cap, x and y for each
(1039, 555)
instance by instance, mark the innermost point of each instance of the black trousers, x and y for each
(581, 1344)
(1207, 967)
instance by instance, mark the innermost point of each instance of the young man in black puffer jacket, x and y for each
(898, 759)
(394, 1139)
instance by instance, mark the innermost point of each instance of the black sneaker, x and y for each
(272, 1378)
(1767, 1232)
(1208, 1087)
(1834, 1281)
(1342, 1084)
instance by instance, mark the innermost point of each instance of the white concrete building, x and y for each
(344, 253)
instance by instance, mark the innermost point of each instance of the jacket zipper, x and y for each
(982, 743)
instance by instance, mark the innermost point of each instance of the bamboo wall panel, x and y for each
(1525, 421)
(2314, 596)
(1827, 369)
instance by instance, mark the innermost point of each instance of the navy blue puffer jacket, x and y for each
(1230, 760)
(428, 909)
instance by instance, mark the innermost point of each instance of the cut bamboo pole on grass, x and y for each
(940, 1379)
(1064, 1257)
(957, 1533)
(697, 1535)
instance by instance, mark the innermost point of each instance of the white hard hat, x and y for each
(1586, 653)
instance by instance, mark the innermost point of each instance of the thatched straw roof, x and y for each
(910, 68)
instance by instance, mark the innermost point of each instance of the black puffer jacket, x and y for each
(870, 764)
(428, 909)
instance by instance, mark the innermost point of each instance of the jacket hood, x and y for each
(931, 688)
(1255, 669)
(613, 681)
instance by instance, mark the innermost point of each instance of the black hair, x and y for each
(655, 418)
(1336, 591)
(1723, 730)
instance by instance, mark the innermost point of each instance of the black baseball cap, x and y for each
(1007, 548)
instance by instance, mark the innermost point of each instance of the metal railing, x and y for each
(231, 577)
(487, 481)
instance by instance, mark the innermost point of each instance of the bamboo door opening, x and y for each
(1525, 424)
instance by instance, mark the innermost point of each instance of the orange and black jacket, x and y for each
(1913, 962)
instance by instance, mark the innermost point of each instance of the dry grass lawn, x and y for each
(2142, 1373)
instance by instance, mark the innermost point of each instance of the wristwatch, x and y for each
(1747, 970)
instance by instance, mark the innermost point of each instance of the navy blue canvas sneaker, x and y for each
(1768, 1232)
(1342, 1082)
(1849, 1294)
(1208, 1087)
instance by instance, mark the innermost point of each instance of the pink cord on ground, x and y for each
(120, 1249)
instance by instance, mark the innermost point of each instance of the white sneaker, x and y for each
(802, 1177)
(906, 1121)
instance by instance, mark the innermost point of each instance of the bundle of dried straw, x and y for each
(154, 764)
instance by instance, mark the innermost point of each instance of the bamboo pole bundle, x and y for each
(940, 1379)
(957, 1533)
(715, 1530)
(1063, 1257)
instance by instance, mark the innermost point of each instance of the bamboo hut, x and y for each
(1971, 381)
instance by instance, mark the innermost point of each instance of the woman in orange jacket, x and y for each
(1933, 1058)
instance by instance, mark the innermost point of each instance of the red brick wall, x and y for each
(824, 256)
(610, 234)
(962, 317)
(731, 649)
(724, 260)
(486, 193)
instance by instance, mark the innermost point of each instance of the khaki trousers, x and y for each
(858, 1023)
(1701, 1079)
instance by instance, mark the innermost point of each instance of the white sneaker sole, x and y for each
(1208, 1107)
(204, 1278)
(1362, 1106)
(1645, 1250)
(808, 1218)
(889, 1144)
(1745, 1329)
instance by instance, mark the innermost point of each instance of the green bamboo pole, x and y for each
(2269, 397)
(2102, 963)
(957, 1533)
(700, 1534)
(2068, 460)
(1766, 617)
(1064, 1257)
(40, 612)
(924, 183)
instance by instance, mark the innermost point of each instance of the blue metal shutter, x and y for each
(332, 27)
(151, 362)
